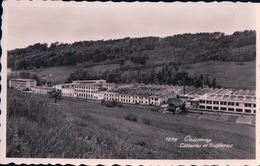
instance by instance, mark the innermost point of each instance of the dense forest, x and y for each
(146, 51)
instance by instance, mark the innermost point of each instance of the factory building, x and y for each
(202, 99)
(85, 89)
(225, 100)
(42, 90)
(22, 84)
(67, 90)
(142, 94)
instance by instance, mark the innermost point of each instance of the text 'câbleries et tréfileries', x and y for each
(193, 142)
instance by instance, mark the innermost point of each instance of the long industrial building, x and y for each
(22, 84)
(202, 99)
(221, 100)
(227, 101)
(142, 94)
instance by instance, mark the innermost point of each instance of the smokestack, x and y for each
(183, 80)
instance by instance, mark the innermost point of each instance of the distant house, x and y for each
(22, 84)
(175, 105)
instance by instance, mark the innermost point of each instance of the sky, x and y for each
(67, 22)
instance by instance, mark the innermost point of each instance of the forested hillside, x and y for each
(147, 51)
(147, 60)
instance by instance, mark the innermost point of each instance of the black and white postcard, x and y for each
(129, 83)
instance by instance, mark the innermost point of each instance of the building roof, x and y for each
(89, 81)
(145, 90)
(22, 79)
(43, 87)
(175, 101)
(231, 95)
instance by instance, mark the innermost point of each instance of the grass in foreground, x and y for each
(36, 127)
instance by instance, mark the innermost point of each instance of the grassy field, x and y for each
(36, 127)
(54, 74)
(228, 74)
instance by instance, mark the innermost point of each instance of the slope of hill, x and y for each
(148, 59)
(147, 51)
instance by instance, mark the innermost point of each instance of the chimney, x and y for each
(183, 80)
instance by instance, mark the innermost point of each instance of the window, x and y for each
(254, 105)
(239, 110)
(209, 102)
(237, 104)
(202, 101)
(209, 107)
(230, 103)
(215, 108)
(223, 108)
(223, 103)
(247, 105)
(215, 102)
(254, 111)
(248, 111)
(230, 109)
(202, 106)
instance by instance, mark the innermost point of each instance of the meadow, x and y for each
(72, 128)
(228, 74)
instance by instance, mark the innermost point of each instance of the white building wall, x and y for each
(228, 106)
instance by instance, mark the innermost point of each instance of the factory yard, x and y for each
(76, 128)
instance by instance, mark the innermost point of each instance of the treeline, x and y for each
(177, 49)
(168, 75)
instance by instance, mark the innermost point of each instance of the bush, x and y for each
(140, 143)
(146, 122)
(111, 103)
(103, 102)
(131, 117)
(155, 109)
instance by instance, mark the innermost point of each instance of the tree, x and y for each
(56, 94)
(214, 83)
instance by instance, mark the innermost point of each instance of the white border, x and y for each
(5, 160)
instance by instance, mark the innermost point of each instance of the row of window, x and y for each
(129, 101)
(225, 103)
(128, 97)
(86, 91)
(226, 109)
(66, 94)
(125, 96)
(86, 87)
(86, 96)
(249, 105)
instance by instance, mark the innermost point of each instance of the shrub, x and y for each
(140, 143)
(131, 117)
(155, 109)
(103, 102)
(146, 121)
(120, 105)
(111, 103)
